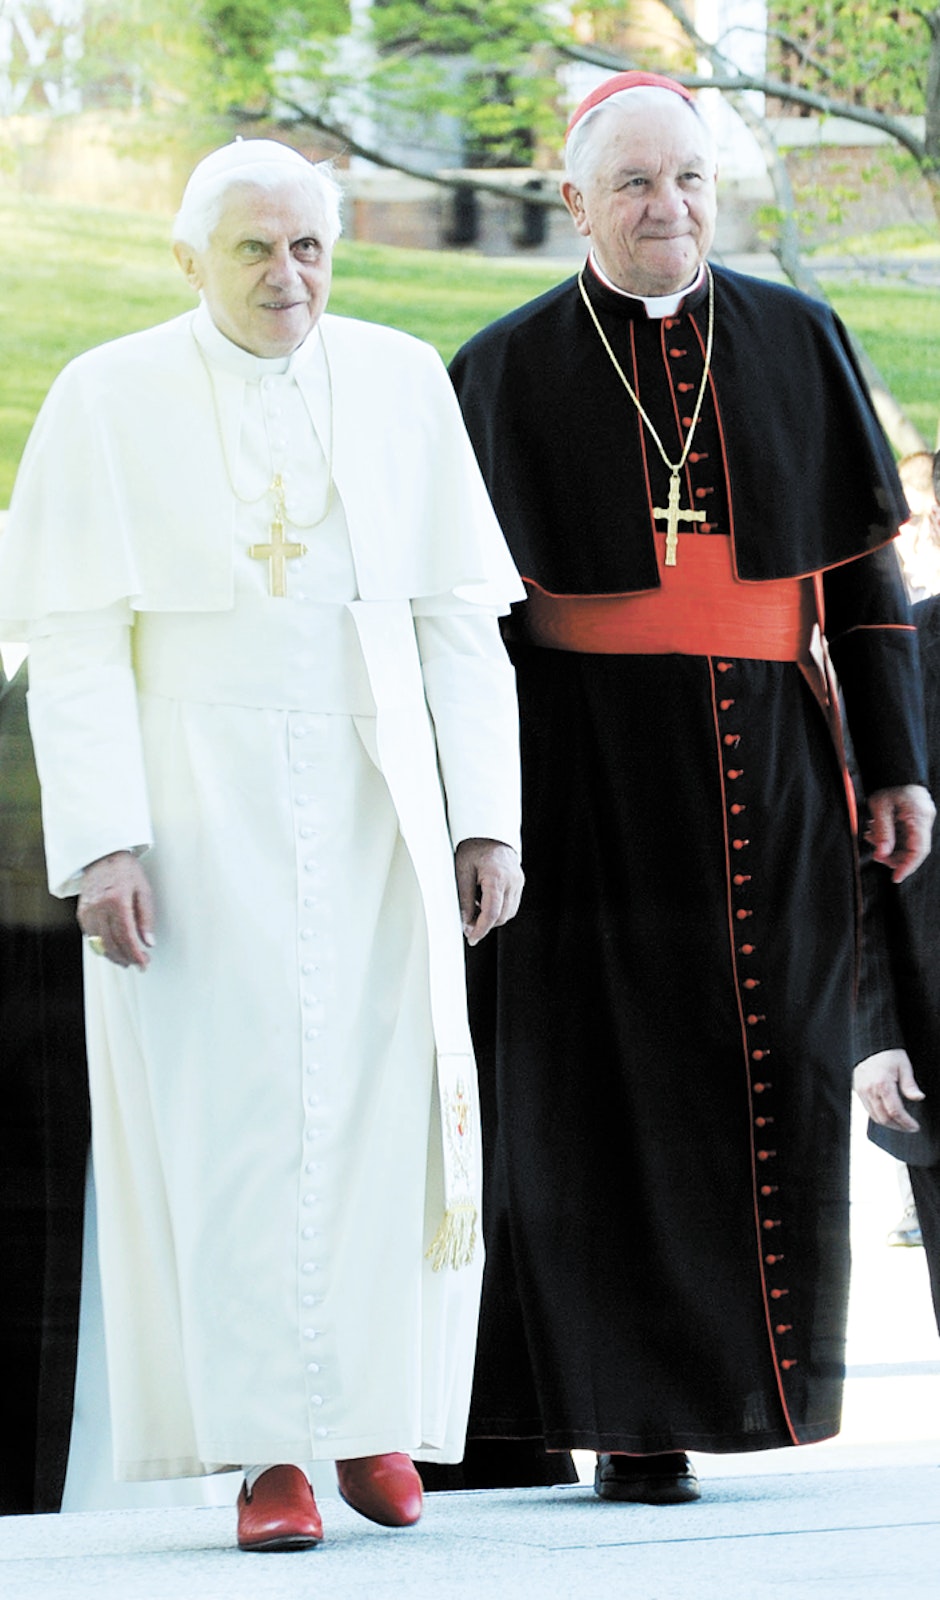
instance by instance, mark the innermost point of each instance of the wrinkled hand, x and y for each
(899, 829)
(880, 1081)
(489, 886)
(115, 904)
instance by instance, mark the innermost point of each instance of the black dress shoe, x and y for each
(665, 1480)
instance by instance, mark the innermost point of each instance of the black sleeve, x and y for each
(873, 644)
(877, 1024)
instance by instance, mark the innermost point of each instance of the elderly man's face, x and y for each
(649, 204)
(265, 276)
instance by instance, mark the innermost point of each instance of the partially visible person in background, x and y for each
(898, 1075)
(919, 537)
(44, 1133)
(919, 549)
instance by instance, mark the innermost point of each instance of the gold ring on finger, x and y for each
(96, 944)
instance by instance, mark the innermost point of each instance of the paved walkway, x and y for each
(855, 1519)
(837, 1535)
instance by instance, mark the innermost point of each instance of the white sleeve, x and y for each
(84, 723)
(471, 692)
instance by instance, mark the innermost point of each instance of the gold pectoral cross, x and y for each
(278, 550)
(674, 515)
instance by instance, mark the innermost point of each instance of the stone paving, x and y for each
(857, 1518)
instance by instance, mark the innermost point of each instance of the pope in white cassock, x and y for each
(260, 579)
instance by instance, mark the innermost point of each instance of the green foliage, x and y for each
(867, 52)
(458, 27)
(820, 199)
(488, 65)
(208, 55)
(213, 57)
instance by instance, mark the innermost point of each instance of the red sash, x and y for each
(702, 609)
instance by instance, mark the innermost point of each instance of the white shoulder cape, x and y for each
(123, 492)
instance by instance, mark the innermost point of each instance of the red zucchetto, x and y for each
(619, 81)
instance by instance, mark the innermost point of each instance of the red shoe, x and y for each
(385, 1489)
(279, 1513)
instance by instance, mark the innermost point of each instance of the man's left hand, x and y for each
(899, 830)
(883, 1082)
(489, 886)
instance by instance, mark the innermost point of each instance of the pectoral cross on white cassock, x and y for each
(278, 550)
(674, 515)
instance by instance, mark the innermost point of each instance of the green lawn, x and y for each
(73, 277)
(900, 329)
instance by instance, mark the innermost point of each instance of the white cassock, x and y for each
(274, 1099)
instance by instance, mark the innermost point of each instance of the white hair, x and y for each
(206, 192)
(580, 149)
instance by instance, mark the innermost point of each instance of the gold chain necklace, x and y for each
(672, 510)
(276, 550)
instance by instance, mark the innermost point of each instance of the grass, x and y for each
(440, 296)
(914, 240)
(900, 329)
(73, 277)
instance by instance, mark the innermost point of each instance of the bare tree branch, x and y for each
(443, 177)
(799, 49)
(729, 78)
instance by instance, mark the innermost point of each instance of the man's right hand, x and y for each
(115, 905)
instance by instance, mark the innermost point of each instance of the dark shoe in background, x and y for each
(663, 1480)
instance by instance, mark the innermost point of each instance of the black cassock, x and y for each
(900, 988)
(44, 1135)
(664, 1032)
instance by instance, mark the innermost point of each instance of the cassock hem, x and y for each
(656, 1444)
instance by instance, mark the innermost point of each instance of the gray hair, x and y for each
(580, 148)
(203, 203)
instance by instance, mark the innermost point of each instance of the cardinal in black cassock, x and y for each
(697, 493)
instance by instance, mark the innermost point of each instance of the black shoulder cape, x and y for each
(811, 476)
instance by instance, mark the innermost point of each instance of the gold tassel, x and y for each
(455, 1241)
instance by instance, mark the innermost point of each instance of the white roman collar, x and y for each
(241, 363)
(657, 305)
